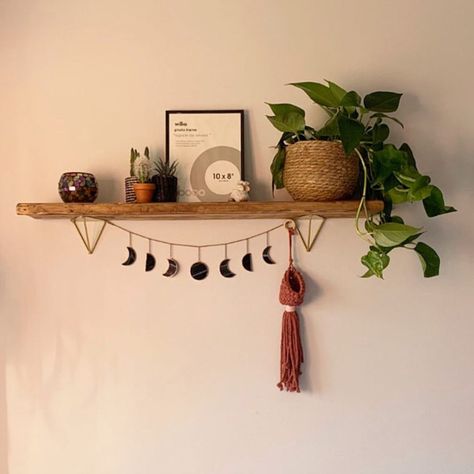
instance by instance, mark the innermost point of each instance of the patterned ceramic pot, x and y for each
(76, 186)
(129, 192)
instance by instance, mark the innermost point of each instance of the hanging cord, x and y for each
(291, 232)
(179, 244)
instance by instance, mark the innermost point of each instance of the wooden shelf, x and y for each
(195, 210)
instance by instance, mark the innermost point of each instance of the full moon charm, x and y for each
(199, 270)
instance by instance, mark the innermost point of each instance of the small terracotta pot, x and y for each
(144, 191)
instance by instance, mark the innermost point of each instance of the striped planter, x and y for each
(129, 192)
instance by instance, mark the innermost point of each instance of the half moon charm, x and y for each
(199, 270)
(150, 262)
(173, 268)
(247, 262)
(132, 256)
(226, 272)
(266, 255)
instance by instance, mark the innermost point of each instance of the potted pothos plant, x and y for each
(389, 172)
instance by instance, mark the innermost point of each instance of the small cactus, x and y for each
(142, 166)
(133, 157)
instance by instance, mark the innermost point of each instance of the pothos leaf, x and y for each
(290, 122)
(382, 101)
(376, 261)
(434, 203)
(277, 166)
(337, 91)
(392, 234)
(429, 259)
(283, 109)
(319, 93)
(351, 133)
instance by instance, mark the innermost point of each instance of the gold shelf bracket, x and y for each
(82, 226)
(310, 240)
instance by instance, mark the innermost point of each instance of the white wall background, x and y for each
(105, 369)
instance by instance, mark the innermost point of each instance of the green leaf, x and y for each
(429, 259)
(330, 128)
(407, 175)
(434, 203)
(420, 190)
(398, 195)
(410, 158)
(376, 261)
(389, 117)
(387, 161)
(393, 234)
(277, 166)
(291, 122)
(319, 93)
(337, 91)
(284, 109)
(351, 99)
(380, 133)
(382, 101)
(351, 132)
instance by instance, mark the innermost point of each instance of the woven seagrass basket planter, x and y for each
(318, 170)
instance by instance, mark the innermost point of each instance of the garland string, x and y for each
(180, 244)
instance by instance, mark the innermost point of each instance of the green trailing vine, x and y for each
(389, 173)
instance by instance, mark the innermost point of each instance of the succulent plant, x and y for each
(166, 168)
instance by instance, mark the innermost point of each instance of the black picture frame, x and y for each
(225, 147)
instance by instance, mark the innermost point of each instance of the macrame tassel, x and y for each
(291, 354)
(292, 291)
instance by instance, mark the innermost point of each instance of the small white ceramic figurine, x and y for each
(241, 192)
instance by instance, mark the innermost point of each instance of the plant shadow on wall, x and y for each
(356, 133)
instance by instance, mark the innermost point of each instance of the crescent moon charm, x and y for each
(132, 256)
(173, 268)
(266, 255)
(199, 270)
(150, 262)
(247, 262)
(225, 270)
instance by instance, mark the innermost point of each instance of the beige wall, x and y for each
(106, 369)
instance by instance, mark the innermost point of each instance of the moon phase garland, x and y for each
(199, 270)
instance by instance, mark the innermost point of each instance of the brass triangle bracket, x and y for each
(82, 226)
(310, 240)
